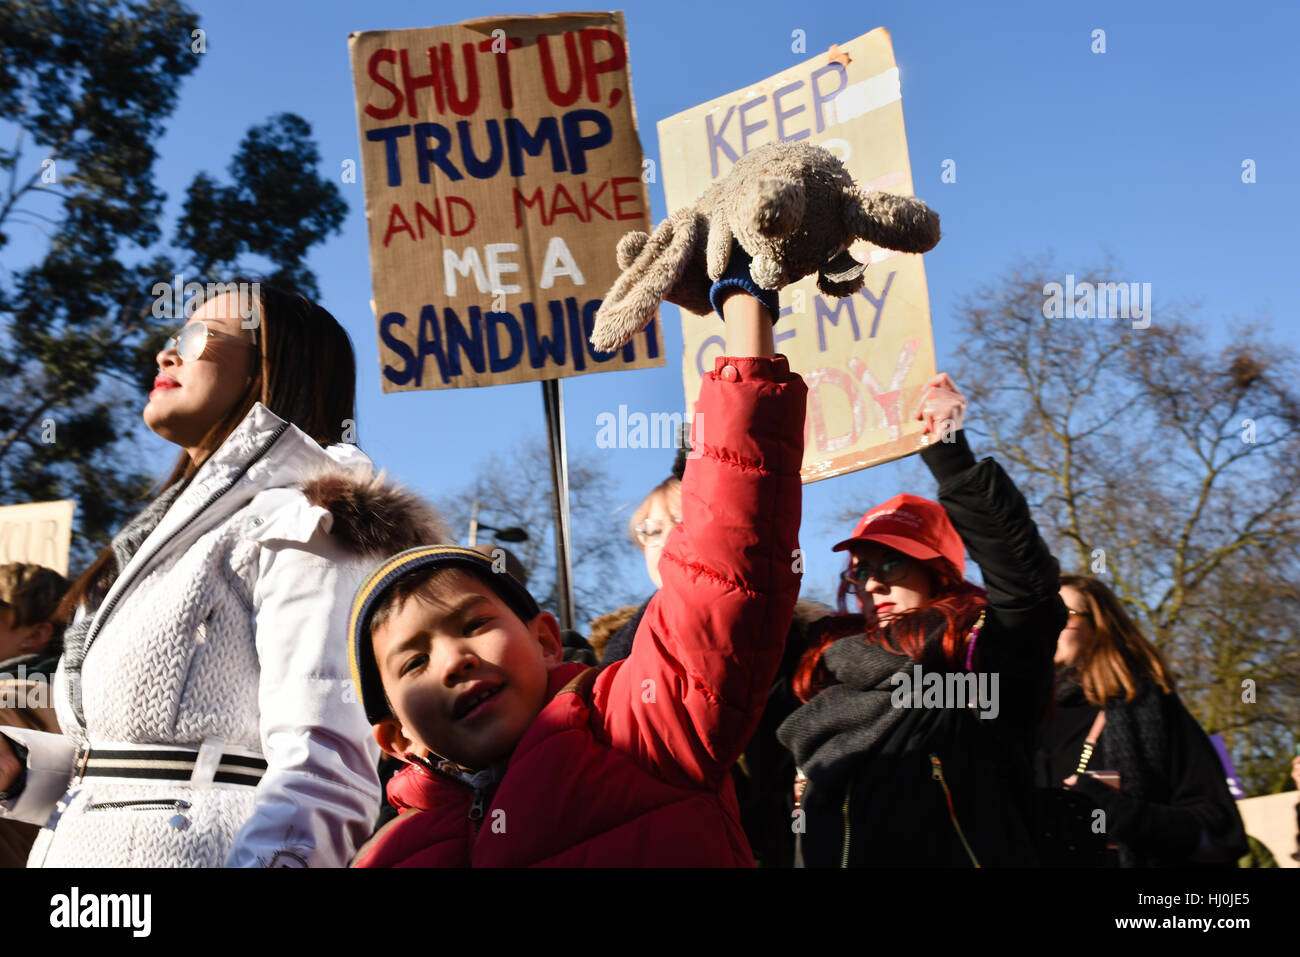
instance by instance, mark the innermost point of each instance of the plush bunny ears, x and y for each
(687, 251)
(884, 220)
(655, 267)
(892, 222)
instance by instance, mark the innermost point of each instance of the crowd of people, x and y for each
(280, 629)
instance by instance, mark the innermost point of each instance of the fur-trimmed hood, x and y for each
(373, 516)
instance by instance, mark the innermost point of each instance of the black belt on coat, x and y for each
(163, 764)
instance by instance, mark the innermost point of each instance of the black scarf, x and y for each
(849, 719)
(1134, 738)
(1135, 741)
(830, 734)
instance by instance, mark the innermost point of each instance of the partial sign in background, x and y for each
(865, 357)
(501, 164)
(1271, 819)
(39, 533)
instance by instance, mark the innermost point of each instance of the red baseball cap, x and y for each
(914, 526)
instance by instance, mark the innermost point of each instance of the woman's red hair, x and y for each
(956, 606)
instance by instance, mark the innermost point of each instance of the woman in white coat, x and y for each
(204, 692)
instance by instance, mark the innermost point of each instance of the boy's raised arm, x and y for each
(690, 694)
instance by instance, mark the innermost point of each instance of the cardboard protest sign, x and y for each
(1271, 819)
(501, 165)
(865, 357)
(39, 533)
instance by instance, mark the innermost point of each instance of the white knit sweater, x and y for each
(230, 624)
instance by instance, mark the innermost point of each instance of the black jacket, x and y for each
(1173, 807)
(879, 800)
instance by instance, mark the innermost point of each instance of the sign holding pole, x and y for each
(864, 357)
(553, 400)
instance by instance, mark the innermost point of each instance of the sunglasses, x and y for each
(887, 571)
(190, 341)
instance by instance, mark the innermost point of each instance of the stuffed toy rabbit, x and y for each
(792, 208)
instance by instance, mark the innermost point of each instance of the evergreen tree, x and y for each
(85, 89)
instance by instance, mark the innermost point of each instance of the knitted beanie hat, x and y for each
(361, 656)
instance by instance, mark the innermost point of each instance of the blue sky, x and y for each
(1134, 154)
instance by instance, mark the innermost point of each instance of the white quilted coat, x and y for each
(229, 623)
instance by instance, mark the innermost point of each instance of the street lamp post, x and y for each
(512, 533)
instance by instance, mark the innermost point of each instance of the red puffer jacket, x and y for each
(630, 766)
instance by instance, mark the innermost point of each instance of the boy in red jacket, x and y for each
(515, 758)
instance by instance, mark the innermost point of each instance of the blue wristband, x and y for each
(738, 279)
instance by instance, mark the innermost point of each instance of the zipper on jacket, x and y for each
(475, 815)
(936, 772)
(476, 811)
(476, 808)
(108, 609)
(154, 804)
(844, 857)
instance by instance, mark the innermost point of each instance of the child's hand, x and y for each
(941, 402)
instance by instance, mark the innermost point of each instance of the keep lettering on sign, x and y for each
(865, 357)
(501, 165)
